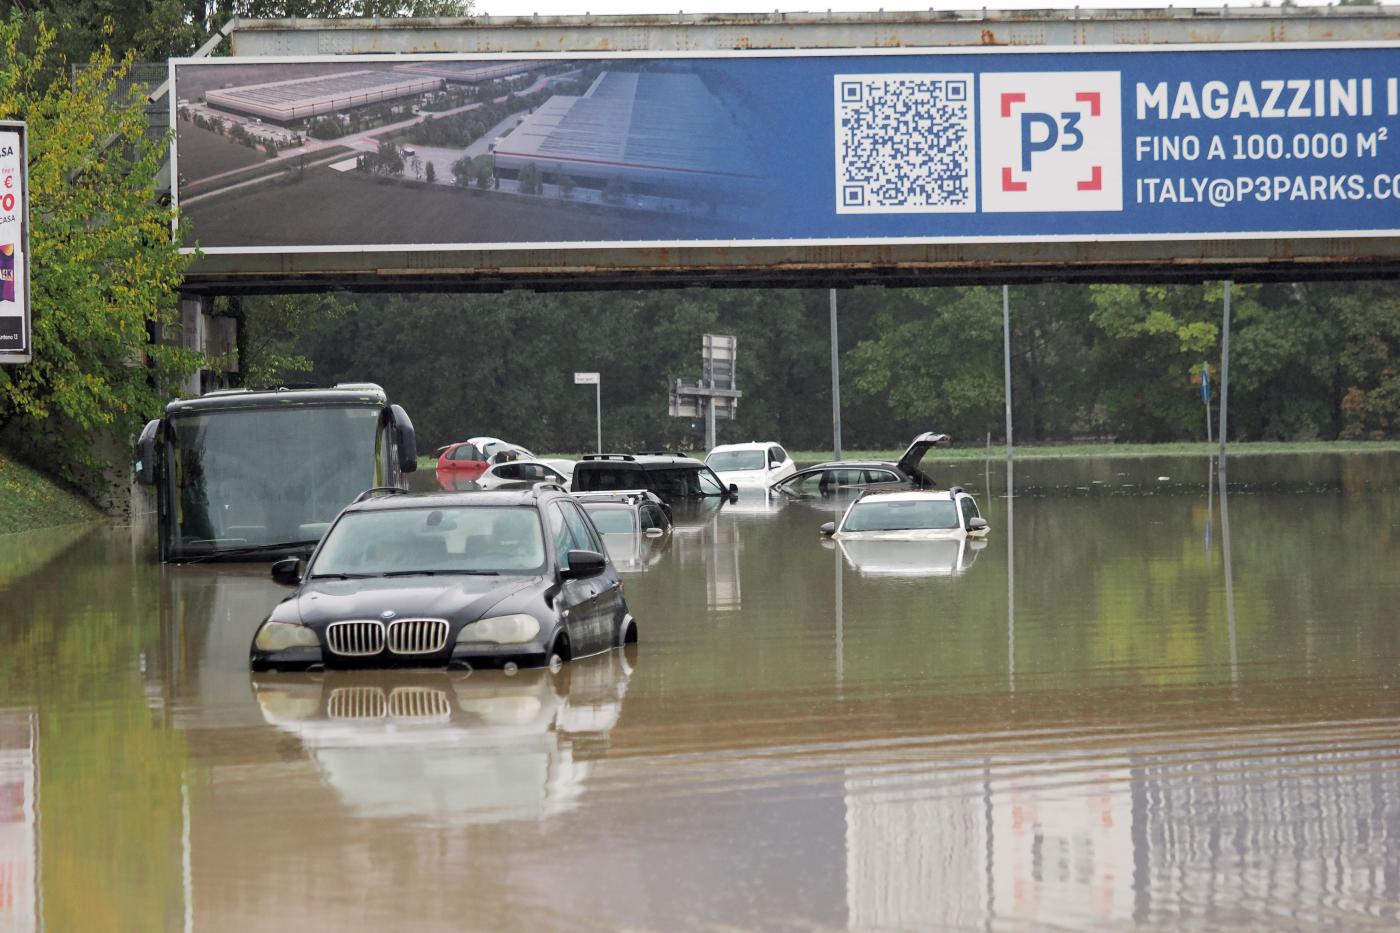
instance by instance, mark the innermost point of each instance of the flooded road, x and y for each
(1141, 701)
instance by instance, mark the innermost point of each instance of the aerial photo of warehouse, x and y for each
(303, 98)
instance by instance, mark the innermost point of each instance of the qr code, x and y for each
(904, 144)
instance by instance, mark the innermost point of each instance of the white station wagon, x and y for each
(910, 516)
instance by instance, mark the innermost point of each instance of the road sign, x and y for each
(15, 335)
(586, 379)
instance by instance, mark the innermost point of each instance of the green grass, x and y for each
(1064, 451)
(30, 500)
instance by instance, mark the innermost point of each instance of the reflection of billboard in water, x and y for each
(19, 838)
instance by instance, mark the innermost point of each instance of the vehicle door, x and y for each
(780, 466)
(577, 597)
(605, 588)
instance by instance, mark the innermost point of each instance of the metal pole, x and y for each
(835, 384)
(1225, 374)
(598, 404)
(710, 423)
(1006, 357)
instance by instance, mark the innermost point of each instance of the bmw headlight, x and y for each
(279, 636)
(500, 630)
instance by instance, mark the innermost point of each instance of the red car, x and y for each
(461, 461)
(465, 461)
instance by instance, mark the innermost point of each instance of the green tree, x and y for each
(530, 181)
(104, 265)
(389, 159)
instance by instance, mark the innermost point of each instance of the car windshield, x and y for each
(612, 519)
(259, 476)
(916, 515)
(504, 539)
(737, 460)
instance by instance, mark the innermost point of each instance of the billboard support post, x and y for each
(1006, 358)
(594, 380)
(835, 383)
(1225, 370)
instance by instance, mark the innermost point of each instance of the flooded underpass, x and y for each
(1143, 699)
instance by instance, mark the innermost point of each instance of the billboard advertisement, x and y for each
(15, 338)
(755, 148)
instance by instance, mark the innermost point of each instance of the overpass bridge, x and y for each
(260, 265)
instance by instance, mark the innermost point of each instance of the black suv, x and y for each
(670, 476)
(448, 580)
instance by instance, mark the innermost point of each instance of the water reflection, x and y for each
(1188, 716)
(914, 558)
(451, 748)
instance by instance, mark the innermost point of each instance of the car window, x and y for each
(924, 514)
(881, 476)
(736, 460)
(597, 478)
(465, 452)
(776, 455)
(710, 484)
(806, 484)
(563, 537)
(507, 471)
(582, 531)
(499, 538)
(612, 519)
(969, 509)
(652, 517)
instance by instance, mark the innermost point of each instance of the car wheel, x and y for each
(627, 632)
(560, 652)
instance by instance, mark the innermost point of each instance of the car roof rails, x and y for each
(609, 457)
(547, 486)
(663, 453)
(376, 491)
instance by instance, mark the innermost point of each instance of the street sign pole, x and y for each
(835, 383)
(594, 380)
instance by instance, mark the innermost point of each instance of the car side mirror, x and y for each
(408, 439)
(829, 529)
(146, 454)
(287, 571)
(584, 564)
(976, 524)
(734, 490)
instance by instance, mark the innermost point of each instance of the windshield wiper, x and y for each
(430, 573)
(250, 549)
(339, 576)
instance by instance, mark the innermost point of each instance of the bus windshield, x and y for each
(245, 478)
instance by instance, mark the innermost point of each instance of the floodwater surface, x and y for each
(1142, 700)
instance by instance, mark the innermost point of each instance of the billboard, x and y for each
(787, 148)
(15, 337)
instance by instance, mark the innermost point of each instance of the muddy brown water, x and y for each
(1140, 702)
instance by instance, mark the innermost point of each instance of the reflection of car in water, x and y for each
(827, 478)
(448, 580)
(930, 557)
(450, 747)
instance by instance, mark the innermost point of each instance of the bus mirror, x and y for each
(146, 454)
(408, 440)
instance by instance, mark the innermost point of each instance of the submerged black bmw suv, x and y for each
(462, 579)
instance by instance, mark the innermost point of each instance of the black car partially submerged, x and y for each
(827, 478)
(449, 580)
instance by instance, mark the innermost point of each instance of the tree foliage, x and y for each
(104, 267)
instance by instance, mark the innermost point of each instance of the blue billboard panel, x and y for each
(947, 146)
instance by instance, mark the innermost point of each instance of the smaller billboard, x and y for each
(15, 338)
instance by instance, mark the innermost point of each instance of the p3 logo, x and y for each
(1052, 141)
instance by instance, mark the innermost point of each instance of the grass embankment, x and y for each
(30, 500)
(1064, 451)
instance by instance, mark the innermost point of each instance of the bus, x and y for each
(244, 474)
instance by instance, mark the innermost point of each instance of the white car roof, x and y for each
(751, 445)
(912, 496)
